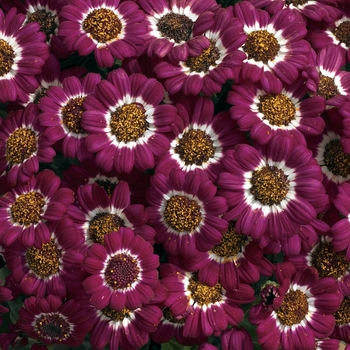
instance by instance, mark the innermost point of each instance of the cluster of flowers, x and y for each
(175, 170)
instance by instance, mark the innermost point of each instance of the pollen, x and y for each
(52, 327)
(327, 87)
(129, 123)
(175, 27)
(116, 315)
(182, 214)
(195, 147)
(46, 21)
(28, 208)
(261, 45)
(269, 185)
(72, 113)
(335, 159)
(103, 224)
(342, 33)
(205, 60)
(342, 316)
(7, 57)
(103, 25)
(203, 294)
(278, 109)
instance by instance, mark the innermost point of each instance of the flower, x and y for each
(267, 109)
(207, 309)
(126, 121)
(123, 271)
(300, 311)
(275, 45)
(99, 214)
(62, 114)
(213, 58)
(268, 190)
(55, 322)
(185, 212)
(25, 209)
(201, 139)
(54, 268)
(111, 29)
(171, 25)
(25, 52)
(23, 144)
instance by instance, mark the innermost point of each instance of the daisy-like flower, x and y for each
(212, 59)
(54, 268)
(236, 259)
(111, 29)
(273, 190)
(267, 110)
(99, 214)
(126, 122)
(207, 309)
(275, 45)
(201, 140)
(62, 114)
(25, 209)
(185, 212)
(24, 52)
(298, 312)
(126, 329)
(171, 25)
(123, 271)
(342, 321)
(23, 144)
(54, 322)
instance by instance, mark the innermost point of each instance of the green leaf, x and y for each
(174, 345)
(4, 272)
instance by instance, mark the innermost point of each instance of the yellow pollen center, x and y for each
(175, 27)
(21, 145)
(107, 185)
(269, 185)
(205, 60)
(72, 113)
(40, 93)
(116, 315)
(52, 326)
(327, 87)
(182, 214)
(27, 208)
(103, 25)
(294, 308)
(46, 21)
(277, 109)
(342, 33)
(7, 57)
(103, 224)
(167, 314)
(45, 261)
(337, 162)
(203, 294)
(342, 316)
(129, 123)
(261, 45)
(195, 147)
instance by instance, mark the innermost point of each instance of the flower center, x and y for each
(40, 93)
(46, 21)
(45, 261)
(122, 271)
(269, 185)
(52, 326)
(7, 57)
(342, 316)
(327, 87)
(277, 109)
(103, 25)
(261, 46)
(103, 224)
(107, 185)
(205, 60)
(167, 314)
(329, 263)
(175, 27)
(231, 244)
(129, 123)
(182, 214)
(20, 145)
(195, 147)
(27, 208)
(296, 2)
(268, 293)
(72, 113)
(294, 308)
(335, 159)
(203, 294)
(114, 314)
(342, 33)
